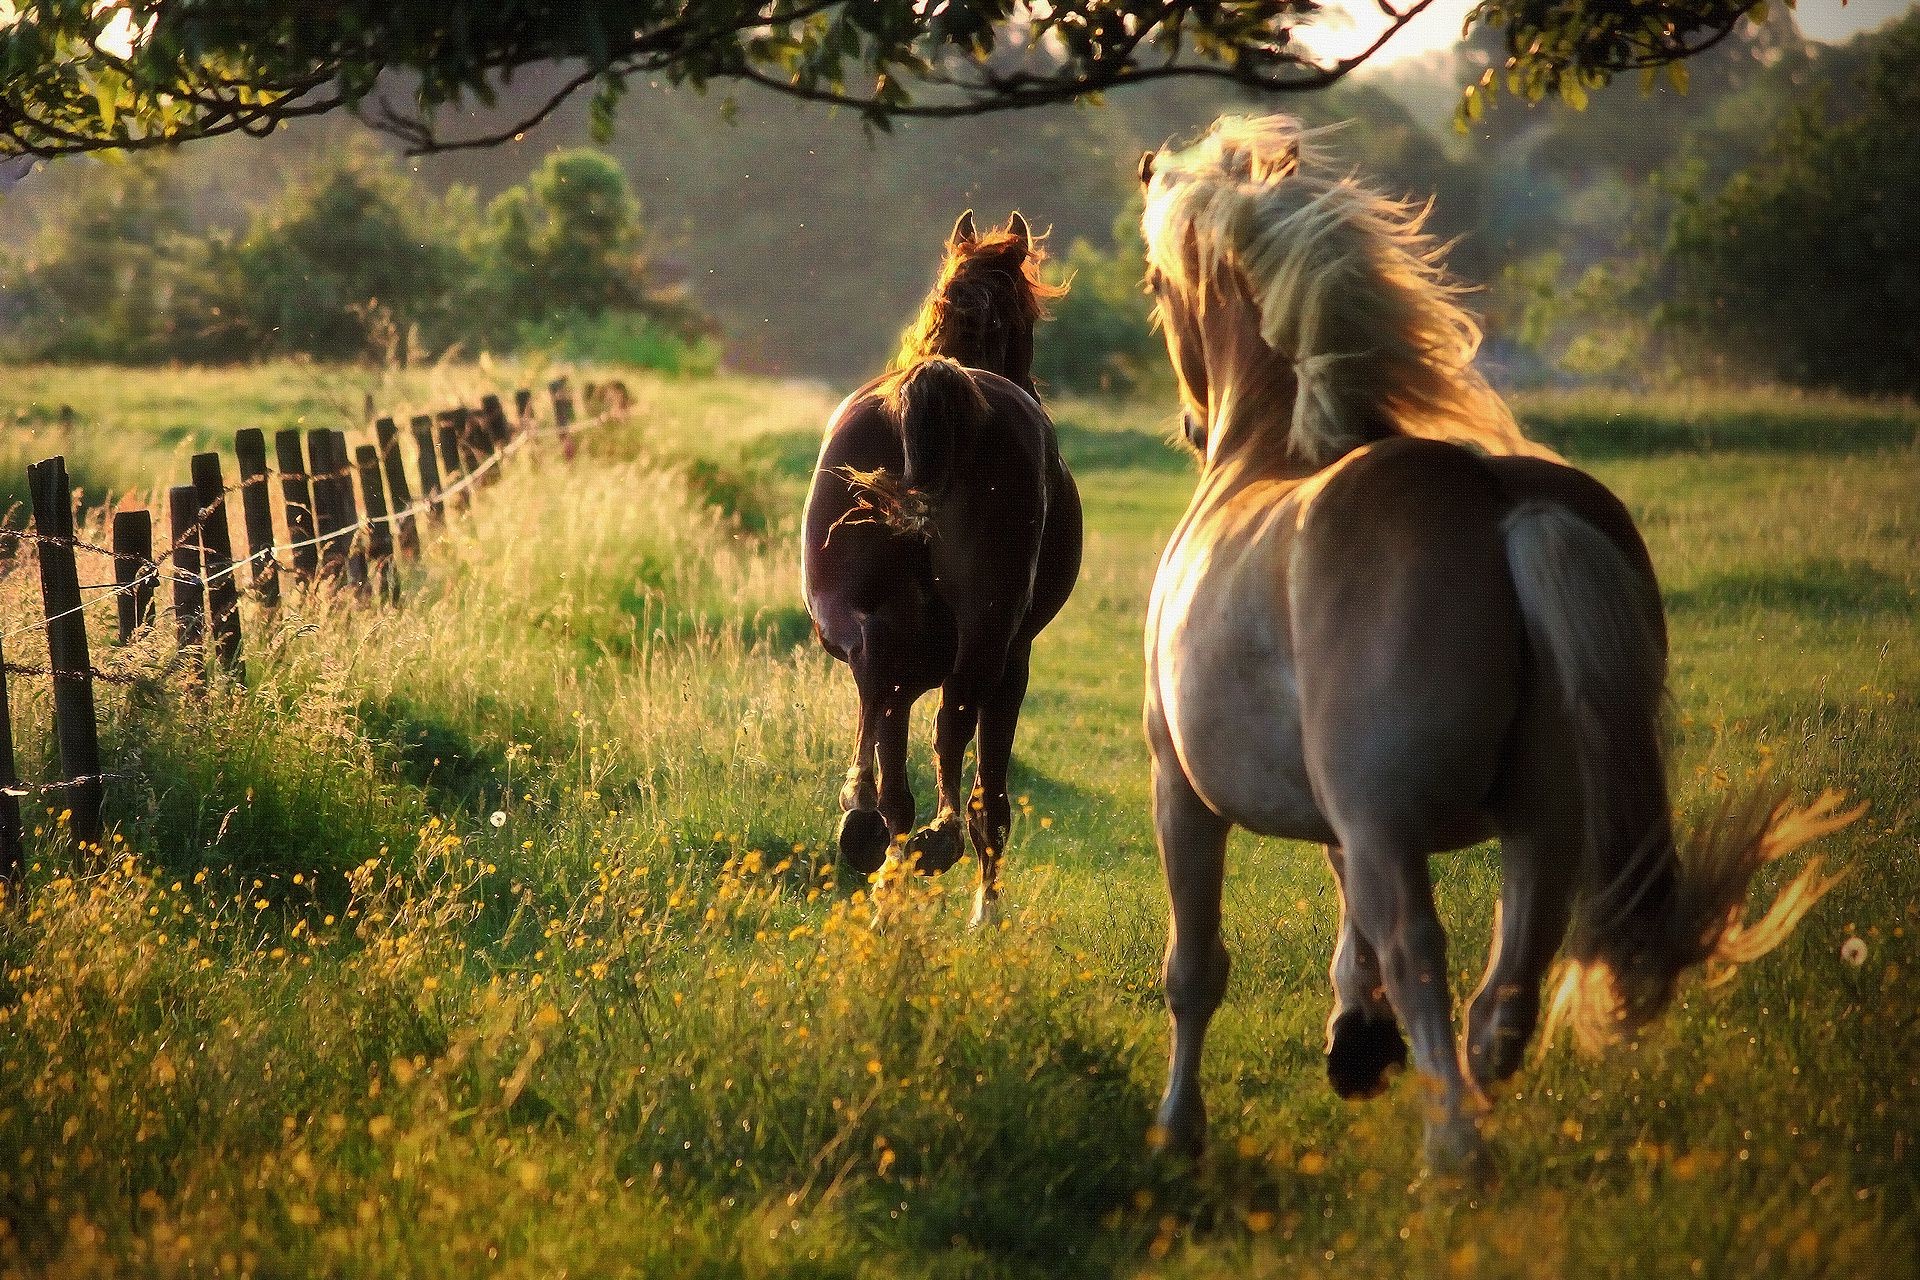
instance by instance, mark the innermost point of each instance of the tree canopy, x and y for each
(83, 75)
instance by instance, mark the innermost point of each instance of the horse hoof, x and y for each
(1455, 1155)
(1361, 1052)
(936, 846)
(986, 910)
(864, 840)
(1180, 1130)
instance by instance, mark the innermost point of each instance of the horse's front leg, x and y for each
(990, 812)
(1391, 900)
(1193, 849)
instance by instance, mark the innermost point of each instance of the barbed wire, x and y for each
(152, 565)
(18, 789)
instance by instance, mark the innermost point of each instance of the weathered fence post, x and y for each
(256, 509)
(494, 414)
(389, 436)
(349, 500)
(448, 434)
(429, 468)
(189, 610)
(522, 409)
(562, 394)
(467, 442)
(13, 856)
(379, 533)
(296, 497)
(333, 520)
(133, 570)
(73, 714)
(216, 561)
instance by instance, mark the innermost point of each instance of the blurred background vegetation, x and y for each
(1681, 230)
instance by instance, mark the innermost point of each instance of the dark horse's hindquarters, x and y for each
(942, 533)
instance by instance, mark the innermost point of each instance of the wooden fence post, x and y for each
(350, 507)
(495, 415)
(449, 437)
(562, 394)
(379, 533)
(326, 504)
(256, 510)
(133, 570)
(296, 499)
(216, 562)
(189, 609)
(403, 527)
(429, 468)
(13, 856)
(522, 409)
(73, 713)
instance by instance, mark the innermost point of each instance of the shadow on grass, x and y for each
(1828, 589)
(433, 754)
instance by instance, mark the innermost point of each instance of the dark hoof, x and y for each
(1361, 1053)
(936, 847)
(864, 840)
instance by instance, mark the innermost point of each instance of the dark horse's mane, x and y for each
(983, 282)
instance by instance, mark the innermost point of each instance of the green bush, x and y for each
(1101, 338)
(355, 260)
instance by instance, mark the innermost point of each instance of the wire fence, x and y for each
(334, 535)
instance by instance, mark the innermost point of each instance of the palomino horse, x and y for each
(1391, 624)
(942, 533)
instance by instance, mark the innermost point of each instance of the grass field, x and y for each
(495, 934)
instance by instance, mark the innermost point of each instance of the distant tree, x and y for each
(569, 238)
(349, 260)
(81, 75)
(96, 283)
(1802, 266)
(1100, 338)
(562, 266)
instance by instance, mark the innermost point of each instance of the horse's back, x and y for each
(989, 569)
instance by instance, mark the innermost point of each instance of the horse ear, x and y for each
(963, 232)
(1017, 228)
(1146, 168)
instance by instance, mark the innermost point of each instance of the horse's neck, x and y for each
(1250, 395)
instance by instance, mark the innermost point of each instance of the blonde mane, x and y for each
(1348, 285)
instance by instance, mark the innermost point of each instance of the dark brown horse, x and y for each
(942, 533)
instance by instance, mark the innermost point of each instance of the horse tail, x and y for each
(937, 405)
(1649, 907)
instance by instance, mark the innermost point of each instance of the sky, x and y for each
(1348, 25)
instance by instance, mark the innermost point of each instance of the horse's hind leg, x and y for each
(863, 832)
(939, 844)
(1193, 847)
(1536, 902)
(990, 813)
(1363, 1037)
(1391, 900)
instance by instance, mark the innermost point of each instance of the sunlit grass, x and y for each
(497, 933)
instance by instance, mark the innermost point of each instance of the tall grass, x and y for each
(497, 932)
